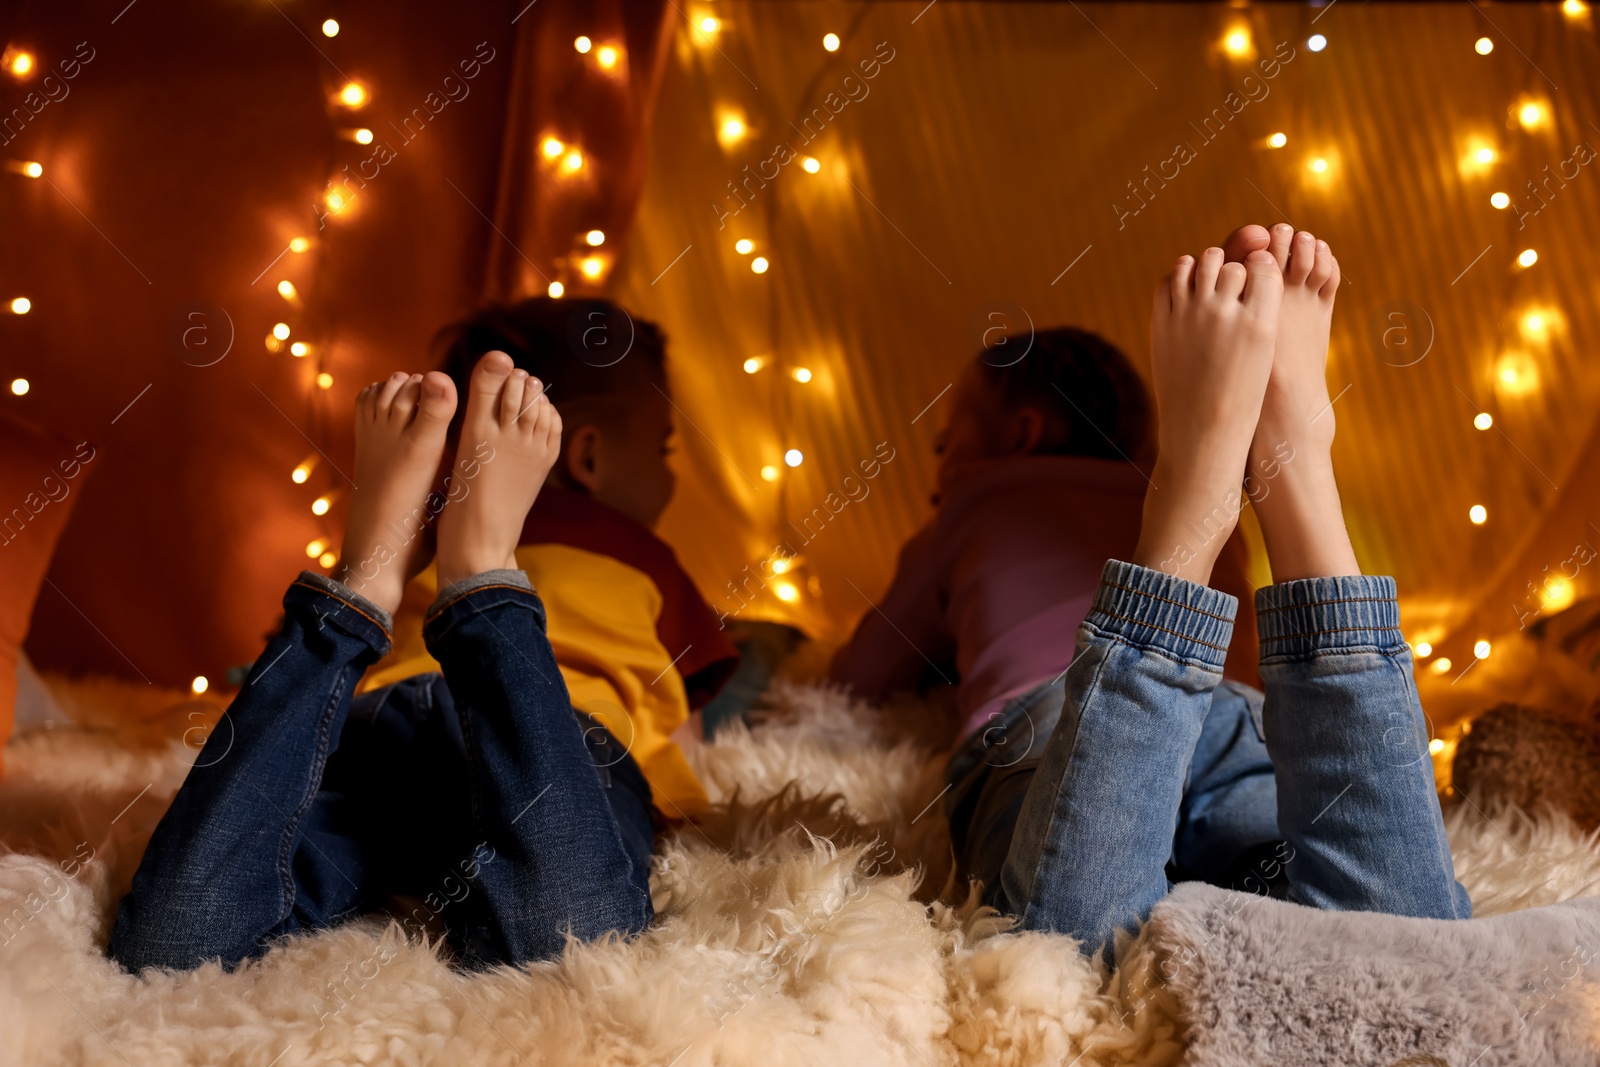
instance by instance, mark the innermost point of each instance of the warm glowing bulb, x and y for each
(298, 476)
(1440, 665)
(607, 57)
(1485, 155)
(556, 290)
(1500, 201)
(336, 200)
(19, 387)
(21, 306)
(1516, 374)
(1436, 746)
(1278, 140)
(1574, 8)
(583, 44)
(1478, 514)
(572, 161)
(1319, 165)
(1528, 257)
(811, 164)
(199, 685)
(1530, 115)
(362, 136)
(352, 95)
(786, 592)
(286, 289)
(830, 41)
(328, 559)
(801, 374)
(321, 505)
(1423, 649)
(298, 244)
(1481, 649)
(281, 331)
(596, 238)
(299, 349)
(1483, 46)
(324, 380)
(316, 548)
(794, 457)
(1558, 594)
(552, 147)
(732, 129)
(759, 264)
(769, 473)
(592, 266)
(20, 64)
(1316, 42)
(1237, 43)
(752, 364)
(709, 25)
(744, 246)
(1483, 420)
(782, 566)
(330, 28)
(32, 170)
(1534, 326)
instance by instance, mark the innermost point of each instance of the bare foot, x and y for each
(509, 442)
(1212, 340)
(400, 428)
(1293, 490)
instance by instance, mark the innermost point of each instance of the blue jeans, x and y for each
(480, 791)
(1103, 814)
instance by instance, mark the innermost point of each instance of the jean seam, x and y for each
(318, 763)
(1153, 626)
(1336, 630)
(1168, 600)
(346, 603)
(1387, 652)
(441, 609)
(1338, 600)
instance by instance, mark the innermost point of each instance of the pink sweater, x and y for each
(997, 581)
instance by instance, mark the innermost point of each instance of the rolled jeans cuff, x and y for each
(473, 596)
(1299, 619)
(353, 602)
(1149, 609)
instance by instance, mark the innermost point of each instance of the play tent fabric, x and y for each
(1003, 165)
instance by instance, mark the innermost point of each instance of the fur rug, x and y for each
(812, 920)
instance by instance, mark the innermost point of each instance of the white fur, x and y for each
(792, 930)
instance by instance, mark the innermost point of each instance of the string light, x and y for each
(769, 473)
(759, 264)
(21, 305)
(730, 130)
(1483, 46)
(592, 266)
(1528, 258)
(1436, 746)
(1482, 649)
(321, 505)
(1319, 165)
(811, 164)
(572, 161)
(1237, 42)
(18, 64)
(298, 244)
(299, 475)
(782, 566)
(353, 95)
(273, 344)
(801, 374)
(328, 559)
(556, 290)
(1440, 665)
(753, 364)
(794, 457)
(1424, 649)
(1531, 115)
(830, 41)
(330, 28)
(324, 380)
(1478, 514)
(607, 57)
(26, 167)
(1485, 155)
(1316, 42)
(744, 246)
(1535, 326)
(1516, 375)
(1558, 594)
(337, 201)
(786, 592)
(552, 147)
(299, 349)
(286, 289)
(1483, 420)
(19, 387)
(1277, 140)
(710, 25)
(199, 685)
(281, 331)
(316, 548)
(361, 135)
(596, 238)
(1573, 8)
(1500, 201)
(583, 44)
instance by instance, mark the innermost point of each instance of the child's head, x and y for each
(606, 375)
(1072, 394)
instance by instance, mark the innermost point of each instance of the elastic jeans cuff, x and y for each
(1301, 618)
(351, 597)
(1149, 609)
(502, 576)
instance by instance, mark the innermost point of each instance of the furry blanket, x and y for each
(812, 920)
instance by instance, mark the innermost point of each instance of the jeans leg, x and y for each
(1230, 804)
(552, 857)
(1356, 795)
(244, 855)
(1090, 850)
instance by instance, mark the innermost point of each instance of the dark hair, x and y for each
(1094, 402)
(581, 349)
